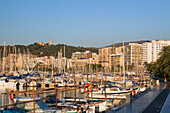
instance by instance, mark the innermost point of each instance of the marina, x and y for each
(66, 87)
(32, 85)
(81, 96)
(84, 56)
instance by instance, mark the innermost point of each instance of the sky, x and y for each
(87, 23)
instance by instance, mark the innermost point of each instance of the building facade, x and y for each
(104, 54)
(117, 61)
(81, 55)
(133, 54)
(151, 50)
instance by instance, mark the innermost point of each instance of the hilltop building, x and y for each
(44, 44)
(51, 42)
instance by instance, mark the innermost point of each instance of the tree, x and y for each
(164, 61)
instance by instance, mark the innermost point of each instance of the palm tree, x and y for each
(164, 61)
(161, 67)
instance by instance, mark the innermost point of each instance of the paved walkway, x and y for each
(157, 104)
(141, 102)
(166, 106)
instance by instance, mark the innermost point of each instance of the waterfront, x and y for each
(138, 103)
(142, 101)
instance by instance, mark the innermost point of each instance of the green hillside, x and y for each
(48, 50)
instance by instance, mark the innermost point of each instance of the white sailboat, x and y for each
(5, 82)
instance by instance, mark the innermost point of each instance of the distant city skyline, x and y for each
(88, 23)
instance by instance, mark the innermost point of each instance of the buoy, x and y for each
(10, 96)
(165, 80)
(89, 85)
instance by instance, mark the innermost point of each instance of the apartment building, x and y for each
(118, 50)
(117, 61)
(133, 54)
(104, 54)
(79, 60)
(95, 58)
(151, 50)
(81, 55)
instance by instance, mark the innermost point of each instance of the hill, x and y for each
(48, 50)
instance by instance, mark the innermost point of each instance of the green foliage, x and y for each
(93, 66)
(161, 67)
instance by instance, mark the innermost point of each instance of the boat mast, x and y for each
(0, 62)
(24, 61)
(45, 65)
(64, 58)
(123, 63)
(28, 60)
(96, 77)
(6, 58)
(10, 59)
(114, 62)
(20, 61)
(15, 59)
(74, 87)
(58, 62)
(53, 74)
(31, 63)
(3, 65)
(90, 72)
(54, 61)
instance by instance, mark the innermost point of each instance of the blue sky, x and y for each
(88, 23)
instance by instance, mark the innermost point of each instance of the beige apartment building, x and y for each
(95, 58)
(133, 53)
(117, 61)
(79, 60)
(104, 54)
(118, 50)
(132, 56)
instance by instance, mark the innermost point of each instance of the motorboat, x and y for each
(27, 105)
(112, 90)
(4, 81)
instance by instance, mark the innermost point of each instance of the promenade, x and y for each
(160, 102)
(142, 103)
(166, 106)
